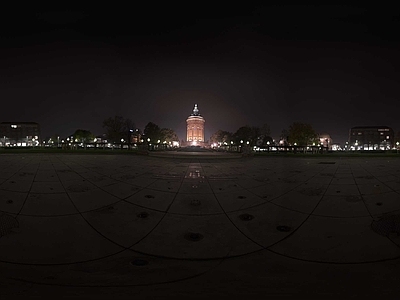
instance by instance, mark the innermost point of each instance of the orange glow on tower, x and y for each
(195, 128)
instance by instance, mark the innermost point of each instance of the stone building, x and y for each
(195, 129)
(19, 134)
(371, 138)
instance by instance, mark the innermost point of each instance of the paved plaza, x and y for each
(197, 225)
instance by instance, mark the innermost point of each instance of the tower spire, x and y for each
(195, 110)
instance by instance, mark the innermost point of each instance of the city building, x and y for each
(19, 134)
(195, 129)
(371, 138)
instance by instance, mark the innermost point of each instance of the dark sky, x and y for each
(334, 67)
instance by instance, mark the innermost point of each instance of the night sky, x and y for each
(334, 67)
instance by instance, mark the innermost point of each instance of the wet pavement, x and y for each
(199, 225)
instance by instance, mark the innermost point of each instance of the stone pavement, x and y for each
(192, 226)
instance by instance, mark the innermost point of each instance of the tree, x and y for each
(247, 134)
(152, 131)
(302, 134)
(118, 128)
(84, 136)
(284, 137)
(265, 130)
(221, 136)
(168, 135)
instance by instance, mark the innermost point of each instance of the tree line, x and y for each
(301, 134)
(120, 130)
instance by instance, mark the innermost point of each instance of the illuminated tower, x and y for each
(195, 128)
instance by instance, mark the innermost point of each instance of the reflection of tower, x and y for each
(195, 128)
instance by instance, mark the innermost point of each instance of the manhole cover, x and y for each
(246, 217)
(195, 202)
(149, 196)
(242, 197)
(379, 203)
(283, 228)
(387, 225)
(7, 223)
(143, 215)
(139, 262)
(193, 236)
(327, 163)
(9, 201)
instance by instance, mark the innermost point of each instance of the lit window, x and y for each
(387, 137)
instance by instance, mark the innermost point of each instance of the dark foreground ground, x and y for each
(195, 226)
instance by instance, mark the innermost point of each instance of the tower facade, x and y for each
(195, 128)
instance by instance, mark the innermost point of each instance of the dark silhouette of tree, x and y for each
(284, 136)
(168, 135)
(83, 136)
(153, 132)
(265, 130)
(221, 136)
(118, 128)
(302, 134)
(247, 134)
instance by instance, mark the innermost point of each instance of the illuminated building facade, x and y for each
(195, 128)
(19, 134)
(371, 138)
(326, 141)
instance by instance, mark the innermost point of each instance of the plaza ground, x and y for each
(196, 225)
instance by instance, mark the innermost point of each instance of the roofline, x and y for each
(367, 127)
(19, 123)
